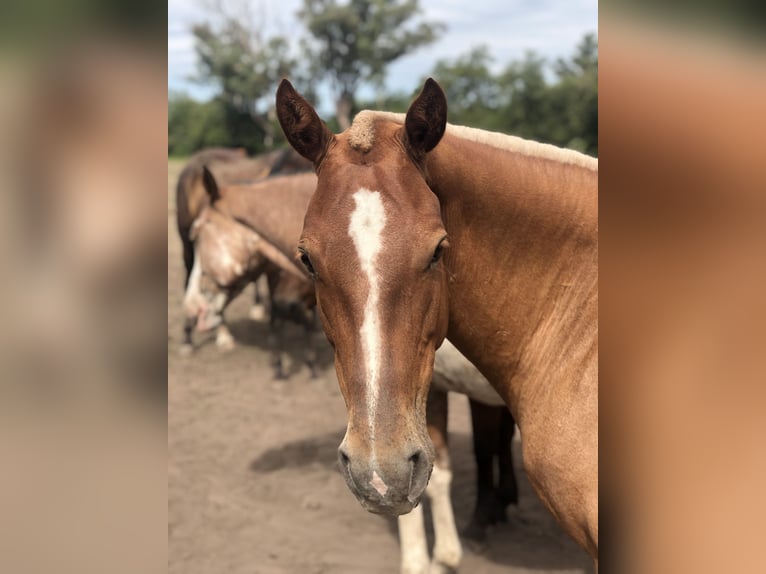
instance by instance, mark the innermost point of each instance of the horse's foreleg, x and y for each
(507, 490)
(223, 337)
(258, 309)
(276, 342)
(187, 345)
(412, 542)
(312, 333)
(447, 549)
(485, 425)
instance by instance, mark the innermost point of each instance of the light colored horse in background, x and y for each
(247, 227)
(419, 230)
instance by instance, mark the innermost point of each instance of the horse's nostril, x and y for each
(344, 460)
(415, 458)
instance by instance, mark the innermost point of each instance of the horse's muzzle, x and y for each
(391, 485)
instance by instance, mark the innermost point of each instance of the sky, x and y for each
(508, 27)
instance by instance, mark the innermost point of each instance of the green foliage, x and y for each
(471, 88)
(246, 68)
(521, 100)
(193, 125)
(354, 42)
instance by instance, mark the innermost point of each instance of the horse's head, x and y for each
(227, 256)
(373, 239)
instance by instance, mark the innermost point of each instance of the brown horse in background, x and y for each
(419, 230)
(234, 237)
(231, 166)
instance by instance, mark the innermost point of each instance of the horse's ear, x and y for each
(210, 184)
(427, 118)
(301, 124)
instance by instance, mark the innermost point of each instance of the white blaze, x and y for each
(366, 229)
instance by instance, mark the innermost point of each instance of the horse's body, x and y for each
(488, 239)
(273, 211)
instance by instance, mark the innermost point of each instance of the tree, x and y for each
(576, 93)
(526, 99)
(471, 88)
(246, 66)
(526, 111)
(354, 42)
(193, 125)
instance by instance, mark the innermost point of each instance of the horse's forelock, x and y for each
(361, 134)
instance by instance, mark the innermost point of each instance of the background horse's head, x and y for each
(227, 256)
(372, 240)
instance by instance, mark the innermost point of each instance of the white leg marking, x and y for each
(412, 542)
(447, 549)
(224, 339)
(366, 229)
(193, 297)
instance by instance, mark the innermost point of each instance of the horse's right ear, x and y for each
(210, 184)
(426, 118)
(301, 124)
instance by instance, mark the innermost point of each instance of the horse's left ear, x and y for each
(210, 184)
(427, 118)
(301, 124)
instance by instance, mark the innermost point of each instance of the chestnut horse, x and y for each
(248, 227)
(420, 230)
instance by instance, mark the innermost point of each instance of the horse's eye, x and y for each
(438, 252)
(306, 260)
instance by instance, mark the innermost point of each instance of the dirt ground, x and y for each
(253, 485)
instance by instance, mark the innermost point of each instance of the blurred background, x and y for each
(87, 107)
(530, 68)
(255, 456)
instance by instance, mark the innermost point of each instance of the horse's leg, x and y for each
(312, 333)
(485, 423)
(276, 340)
(187, 345)
(447, 549)
(412, 542)
(223, 337)
(258, 310)
(507, 491)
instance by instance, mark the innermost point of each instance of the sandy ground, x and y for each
(253, 485)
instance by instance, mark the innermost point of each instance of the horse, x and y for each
(420, 230)
(230, 165)
(230, 254)
(228, 258)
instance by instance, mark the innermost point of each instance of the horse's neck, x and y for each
(522, 260)
(275, 212)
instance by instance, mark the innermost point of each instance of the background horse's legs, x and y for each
(258, 309)
(224, 340)
(311, 326)
(412, 542)
(447, 549)
(507, 490)
(492, 433)
(187, 345)
(276, 340)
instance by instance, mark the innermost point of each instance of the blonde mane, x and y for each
(361, 136)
